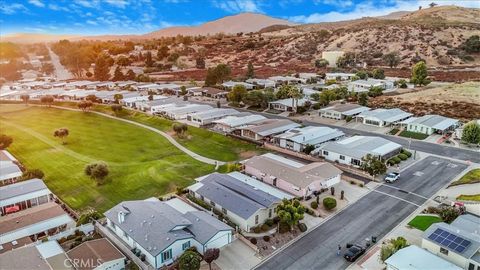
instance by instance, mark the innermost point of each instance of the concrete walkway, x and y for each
(168, 137)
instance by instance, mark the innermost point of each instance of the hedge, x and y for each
(314, 205)
(329, 203)
(402, 156)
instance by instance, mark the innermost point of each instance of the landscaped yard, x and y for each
(142, 163)
(423, 222)
(473, 197)
(471, 177)
(413, 135)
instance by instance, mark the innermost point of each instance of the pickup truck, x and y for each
(392, 177)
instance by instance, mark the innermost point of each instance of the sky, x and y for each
(98, 17)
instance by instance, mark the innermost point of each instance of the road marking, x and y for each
(405, 191)
(398, 198)
(418, 173)
(435, 162)
(451, 165)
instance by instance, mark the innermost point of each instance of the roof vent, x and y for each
(168, 238)
(197, 219)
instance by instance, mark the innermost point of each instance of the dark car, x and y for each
(354, 252)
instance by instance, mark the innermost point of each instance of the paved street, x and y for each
(375, 214)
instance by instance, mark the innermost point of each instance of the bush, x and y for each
(265, 227)
(269, 222)
(391, 162)
(199, 202)
(396, 160)
(302, 227)
(266, 238)
(402, 156)
(257, 229)
(329, 203)
(352, 182)
(317, 106)
(348, 118)
(283, 227)
(276, 220)
(407, 153)
(314, 205)
(253, 241)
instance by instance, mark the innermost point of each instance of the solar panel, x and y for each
(449, 240)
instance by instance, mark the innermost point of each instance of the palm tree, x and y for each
(294, 93)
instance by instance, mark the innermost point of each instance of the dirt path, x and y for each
(60, 71)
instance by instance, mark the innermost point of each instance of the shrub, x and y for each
(314, 205)
(348, 118)
(265, 227)
(391, 162)
(266, 238)
(396, 160)
(269, 222)
(283, 227)
(302, 227)
(253, 241)
(276, 220)
(402, 156)
(352, 182)
(199, 202)
(257, 229)
(407, 153)
(329, 203)
(309, 211)
(360, 185)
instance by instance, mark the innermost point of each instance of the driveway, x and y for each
(237, 256)
(375, 214)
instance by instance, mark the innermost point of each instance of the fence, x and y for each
(85, 228)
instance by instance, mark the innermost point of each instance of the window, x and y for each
(167, 255)
(224, 210)
(471, 266)
(325, 153)
(269, 213)
(256, 219)
(274, 182)
(342, 157)
(443, 251)
(185, 245)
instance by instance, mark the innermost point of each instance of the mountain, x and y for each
(34, 38)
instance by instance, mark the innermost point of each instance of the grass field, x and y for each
(471, 177)
(142, 163)
(199, 140)
(423, 222)
(474, 197)
(413, 135)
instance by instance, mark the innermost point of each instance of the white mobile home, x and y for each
(298, 139)
(207, 117)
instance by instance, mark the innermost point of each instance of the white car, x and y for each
(392, 177)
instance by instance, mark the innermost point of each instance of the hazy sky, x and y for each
(143, 16)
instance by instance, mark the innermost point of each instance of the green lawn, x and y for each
(142, 163)
(473, 197)
(199, 140)
(423, 222)
(471, 177)
(413, 135)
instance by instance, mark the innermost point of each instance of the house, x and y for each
(47, 255)
(214, 92)
(297, 139)
(339, 76)
(383, 117)
(182, 111)
(293, 177)
(459, 130)
(350, 151)
(359, 86)
(34, 223)
(98, 254)
(308, 75)
(265, 129)
(155, 106)
(342, 111)
(432, 123)
(332, 57)
(162, 233)
(208, 117)
(263, 83)
(231, 84)
(195, 91)
(23, 195)
(458, 242)
(134, 101)
(287, 80)
(244, 200)
(233, 122)
(9, 169)
(288, 104)
(414, 257)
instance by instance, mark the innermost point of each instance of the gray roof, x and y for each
(20, 188)
(360, 146)
(464, 226)
(155, 225)
(435, 121)
(271, 126)
(387, 115)
(347, 108)
(240, 198)
(9, 168)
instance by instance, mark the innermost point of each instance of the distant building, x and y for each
(339, 76)
(288, 104)
(263, 83)
(208, 117)
(332, 57)
(360, 86)
(231, 84)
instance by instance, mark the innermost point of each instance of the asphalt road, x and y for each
(375, 214)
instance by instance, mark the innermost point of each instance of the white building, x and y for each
(208, 117)
(350, 151)
(245, 201)
(162, 233)
(413, 258)
(298, 139)
(383, 117)
(288, 104)
(182, 111)
(339, 75)
(432, 123)
(9, 170)
(263, 83)
(342, 111)
(287, 79)
(265, 129)
(233, 122)
(231, 84)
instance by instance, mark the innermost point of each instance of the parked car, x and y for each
(354, 252)
(392, 177)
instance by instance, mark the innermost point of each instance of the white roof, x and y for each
(288, 101)
(360, 146)
(180, 205)
(213, 113)
(235, 121)
(287, 161)
(339, 74)
(189, 108)
(311, 135)
(415, 258)
(386, 115)
(261, 81)
(367, 83)
(260, 185)
(435, 121)
(232, 84)
(49, 249)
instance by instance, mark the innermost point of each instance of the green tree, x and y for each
(363, 99)
(472, 44)
(361, 74)
(217, 74)
(25, 98)
(179, 128)
(211, 255)
(200, 62)
(189, 260)
(101, 71)
(420, 74)
(84, 105)
(321, 63)
(61, 133)
(392, 246)
(329, 203)
(149, 60)
(256, 98)
(373, 165)
(123, 61)
(378, 73)
(290, 212)
(375, 91)
(162, 52)
(130, 75)
(326, 96)
(237, 94)
(308, 149)
(5, 141)
(234, 167)
(250, 71)
(392, 59)
(118, 75)
(294, 93)
(471, 133)
(97, 171)
(116, 108)
(448, 214)
(183, 90)
(117, 98)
